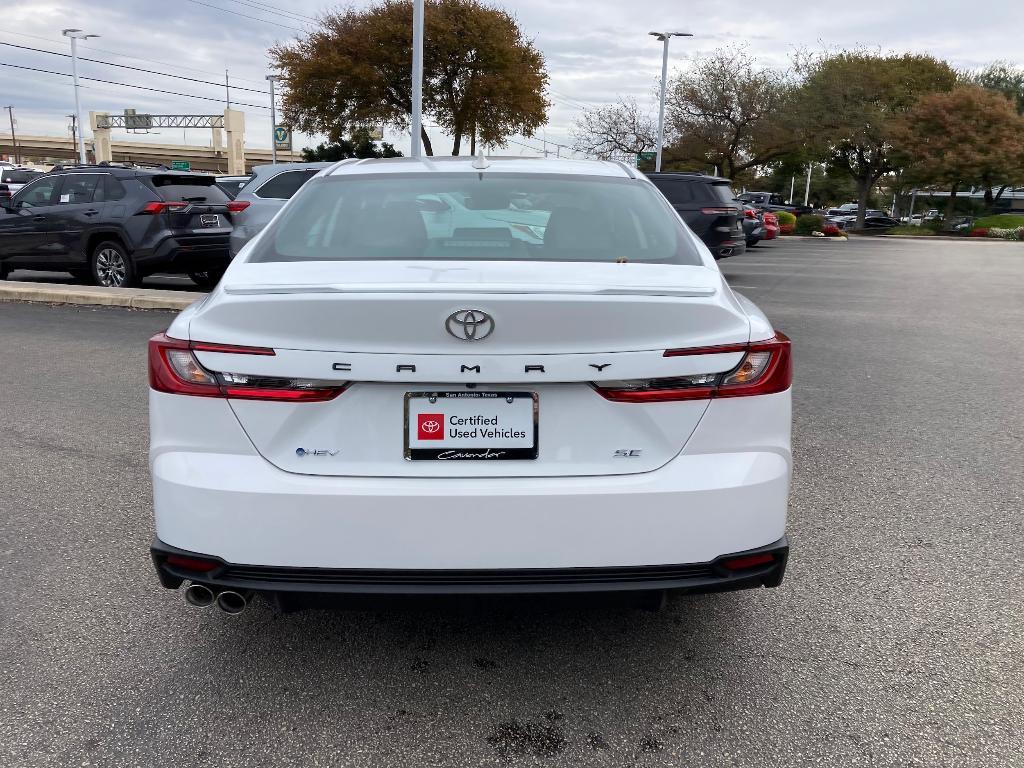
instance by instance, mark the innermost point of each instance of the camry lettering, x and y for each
(342, 366)
(409, 368)
(600, 367)
(474, 368)
(535, 369)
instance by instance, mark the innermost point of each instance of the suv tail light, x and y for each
(174, 368)
(157, 207)
(766, 368)
(237, 206)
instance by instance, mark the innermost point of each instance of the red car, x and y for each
(771, 225)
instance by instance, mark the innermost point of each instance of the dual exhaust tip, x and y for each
(229, 601)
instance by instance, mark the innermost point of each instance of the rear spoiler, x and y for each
(249, 289)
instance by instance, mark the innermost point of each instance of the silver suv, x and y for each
(267, 190)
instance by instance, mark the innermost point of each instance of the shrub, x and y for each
(830, 229)
(787, 222)
(979, 232)
(906, 229)
(1004, 234)
(808, 223)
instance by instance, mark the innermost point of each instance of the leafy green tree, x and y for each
(358, 145)
(958, 138)
(1002, 77)
(481, 77)
(852, 99)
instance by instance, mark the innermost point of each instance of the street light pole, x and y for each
(14, 139)
(417, 78)
(807, 189)
(664, 37)
(76, 35)
(273, 120)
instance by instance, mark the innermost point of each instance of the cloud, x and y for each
(596, 50)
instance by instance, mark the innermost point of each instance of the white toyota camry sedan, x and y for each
(465, 375)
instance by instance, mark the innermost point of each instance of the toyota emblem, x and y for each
(430, 427)
(469, 324)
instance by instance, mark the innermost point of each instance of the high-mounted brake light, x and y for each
(175, 369)
(766, 368)
(237, 206)
(160, 207)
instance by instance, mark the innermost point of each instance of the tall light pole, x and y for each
(14, 139)
(76, 35)
(664, 37)
(417, 77)
(273, 120)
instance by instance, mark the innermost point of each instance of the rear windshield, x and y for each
(681, 191)
(473, 217)
(195, 189)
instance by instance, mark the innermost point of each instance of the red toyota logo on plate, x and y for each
(430, 426)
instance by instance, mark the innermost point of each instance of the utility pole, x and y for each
(416, 125)
(273, 120)
(227, 90)
(14, 138)
(664, 37)
(74, 128)
(76, 35)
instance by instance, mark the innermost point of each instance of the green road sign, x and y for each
(283, 137)
(646, 157)
(181, 165)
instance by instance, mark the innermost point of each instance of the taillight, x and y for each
(174, 368)
(719, 211)
(156, 207)
(237, 206)
(766, 368)
(750, 213)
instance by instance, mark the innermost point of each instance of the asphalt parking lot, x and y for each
(897, 638)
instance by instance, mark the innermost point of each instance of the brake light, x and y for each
(174, 368)
(718, 211)
(748, 561)
(237, 206)
(157, 207)
(750, 213)
(192, 563)
(766, 368)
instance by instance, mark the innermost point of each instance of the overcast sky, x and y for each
(597, 50)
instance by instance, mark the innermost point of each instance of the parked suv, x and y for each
(116, 225)
(709, 208)
(266, 192)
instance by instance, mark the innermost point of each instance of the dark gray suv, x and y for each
(708, 206)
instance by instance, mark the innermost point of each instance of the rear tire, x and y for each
(207, 279)
(111, 266)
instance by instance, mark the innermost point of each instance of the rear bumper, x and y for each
(188, 253)
(714, 576)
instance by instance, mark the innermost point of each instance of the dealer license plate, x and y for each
(470, 426)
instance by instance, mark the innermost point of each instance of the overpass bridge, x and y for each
(230, 157)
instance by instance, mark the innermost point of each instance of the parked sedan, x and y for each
(264, 194)
(13, 179)
(771, 225)
(366, 406)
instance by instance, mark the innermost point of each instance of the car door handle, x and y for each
(90, 212)
(38, 218)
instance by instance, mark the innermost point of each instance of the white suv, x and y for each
(559, 392)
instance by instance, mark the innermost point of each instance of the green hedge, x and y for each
(809, 223)
(785, 217)
(906, 229)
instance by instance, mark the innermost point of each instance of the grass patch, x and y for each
(906, 229)
(1000, 221)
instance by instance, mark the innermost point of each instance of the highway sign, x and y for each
(283, 137)
(181, 165)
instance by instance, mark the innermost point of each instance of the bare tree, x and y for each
(615, 129)
(729, 112)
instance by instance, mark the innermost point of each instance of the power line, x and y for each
(265, 8)
(135, 69)
(130, 85)
(247, 16)
(127, 56)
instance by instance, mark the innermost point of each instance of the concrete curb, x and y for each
(94, 295)
(809, 237)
